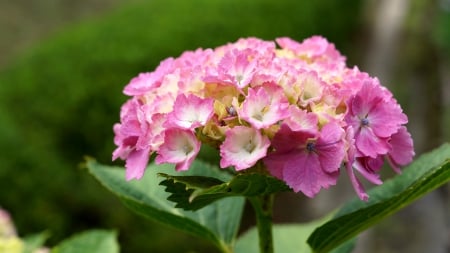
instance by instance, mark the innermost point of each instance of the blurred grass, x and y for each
(59, 101)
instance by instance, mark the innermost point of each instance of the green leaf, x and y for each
(424, 175)
(255, 184)
(195, 192)
(184, 190)
(217, 222)
(287, 238)
(92, 241)
(35, 241)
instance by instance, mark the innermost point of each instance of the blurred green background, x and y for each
(64, 64)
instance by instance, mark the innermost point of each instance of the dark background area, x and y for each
(64, 64)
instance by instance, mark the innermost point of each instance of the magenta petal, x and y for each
(331, 157)
(184, 165)
(359, 188)
(286, 140)
(386, 118)
(359, 107)
(275, 164)
(303, 173)
(302, 120)
(330, 133)
(402, 150)
(136, 163)
(368, 168)
(121, 151)
(330, 147)
(369, 144)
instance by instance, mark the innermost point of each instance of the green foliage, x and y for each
(59, 101)
(217, 222)
(424, 175)
(33, 242)
(195, 192)
(92, 241)
(288, 238)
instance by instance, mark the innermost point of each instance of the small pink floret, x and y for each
(307, 161)
(243, 147)
(375, 117)
(190, 112)
(264, 106)
(180, 147)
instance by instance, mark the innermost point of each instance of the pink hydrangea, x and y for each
(296, 110)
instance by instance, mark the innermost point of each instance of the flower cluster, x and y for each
(296, 109)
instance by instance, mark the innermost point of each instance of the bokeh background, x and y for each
(64, 63)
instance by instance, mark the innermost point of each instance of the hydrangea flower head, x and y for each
(295, 110)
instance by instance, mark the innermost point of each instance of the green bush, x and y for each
(59, 101)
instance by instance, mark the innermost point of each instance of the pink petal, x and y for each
(288, 43)
(243, 147)
(286, 140)
(136, 163)
(369, 144)
(302, 120)
(402, 150)
(263, 109)
(359, 188)
(330, 133)
(303, 173)
(275, 164)
(235, 68)
(143, 83)
(360, 106)
(184, 165)
(386, 118)
(330, 147)
(180, 147)
(369, 167)
(190, 112)
(303, 169)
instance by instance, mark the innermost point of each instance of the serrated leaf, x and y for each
(92, 241)
(255, 184)
(424, 175)
(147, 198)
(183, 190)
(194, 192)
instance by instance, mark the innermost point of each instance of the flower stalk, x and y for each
(263, 206)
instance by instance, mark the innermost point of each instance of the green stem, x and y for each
(263, 210)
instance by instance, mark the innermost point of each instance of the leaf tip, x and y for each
(87, 161)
